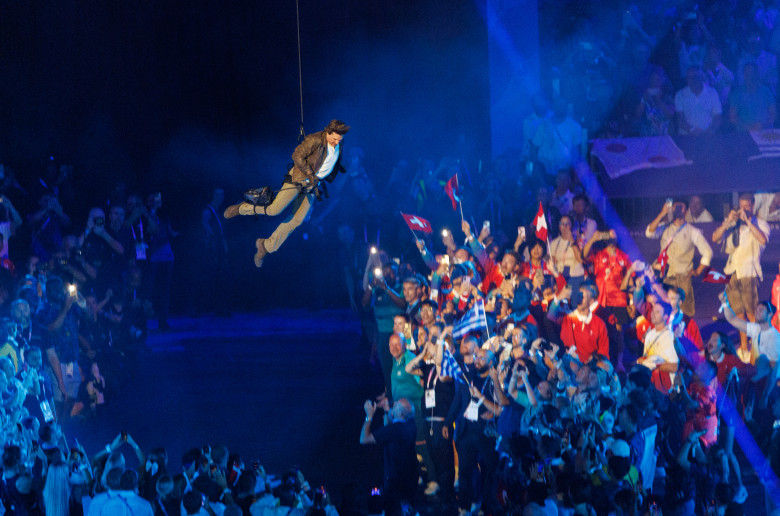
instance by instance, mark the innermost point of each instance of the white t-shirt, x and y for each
(562, 254)
(767, 340)
(329, 162)
(659, 348)
(699, 110)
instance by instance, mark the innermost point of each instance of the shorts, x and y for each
(743, 295)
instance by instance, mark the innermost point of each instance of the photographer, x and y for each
(398, 438)
(61, 342)
(101, 250)
(744, 237)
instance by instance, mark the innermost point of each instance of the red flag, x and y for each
(416, 223)
(540, 224)
(453, 191)
(663, 261)
(714, 276)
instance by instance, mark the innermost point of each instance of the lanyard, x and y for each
(651, 346)
(217, 218)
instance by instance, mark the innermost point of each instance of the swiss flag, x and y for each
(714, 276)
(416, 223)
(453, 192)
(540, 224)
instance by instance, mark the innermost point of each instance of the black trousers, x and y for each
(474, 446)
(443, 458)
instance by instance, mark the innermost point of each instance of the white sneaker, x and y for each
(431, 489)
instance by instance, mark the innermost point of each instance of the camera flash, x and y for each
(71, 289)
(444, 232)
(378, 272)
(373, 250)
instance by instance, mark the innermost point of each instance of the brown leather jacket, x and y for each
(308, 157)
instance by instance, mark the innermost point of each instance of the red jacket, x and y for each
(588, 336)
(609, 271)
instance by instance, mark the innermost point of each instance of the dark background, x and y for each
(185, 96)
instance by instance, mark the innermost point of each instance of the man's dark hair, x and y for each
(537, 242)
(337, 126)
(191, 457)
(129, 480)
(581, 197)
(412, 279)
(45, 432)
(246, 482)
(114, 478)
(681, 200)
(192, 502)
(640, 377)
(219, 453)
(11, 457)
(680, 292)
(431, 303)
(747, 196)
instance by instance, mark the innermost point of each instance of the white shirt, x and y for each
(704, 216)
(329, 162)
(699, 110)
(745, 259)
(659, 348)
(683, 243)
(767, 340)
(562, 202)
(563, 255)
(762, 207)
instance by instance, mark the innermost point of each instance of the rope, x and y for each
(301, 133)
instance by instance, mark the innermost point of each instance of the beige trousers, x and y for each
(302, 203)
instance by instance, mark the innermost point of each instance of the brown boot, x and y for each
(261, 252)
(232, 210)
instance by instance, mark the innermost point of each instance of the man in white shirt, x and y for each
(558, 139)
(659, 351)
(746, 238)
(696, 211)
(697, 105)
(768, 206)
(764, 337)
(316, 158)
(680, 239)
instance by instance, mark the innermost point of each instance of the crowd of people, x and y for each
(570, 377)
(42, 475)
(650, 68)
(530, 374)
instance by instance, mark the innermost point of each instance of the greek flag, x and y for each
(472, 320)
(450, 367)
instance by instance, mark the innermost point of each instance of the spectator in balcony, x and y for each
(718, 76)
(656, 107)
(766, 62)
(696, 211)
(752, 104)
(558, 139)
(697, 105)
